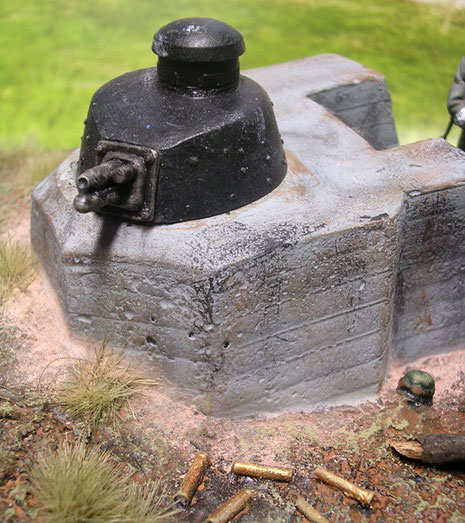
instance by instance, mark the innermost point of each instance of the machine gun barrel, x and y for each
(93, 201)
(103, 175)
(124, 173)
(98, 186)
(98, 176)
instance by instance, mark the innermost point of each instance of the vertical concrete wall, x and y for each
(430, 298)
(305, 323)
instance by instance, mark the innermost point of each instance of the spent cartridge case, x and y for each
(192, 479)
(364, 496)
(263, 471)
(308, 511)
(231, 508)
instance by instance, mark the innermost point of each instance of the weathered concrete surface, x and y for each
(430, 303)
(289, 301)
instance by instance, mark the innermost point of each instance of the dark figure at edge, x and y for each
(456, 101)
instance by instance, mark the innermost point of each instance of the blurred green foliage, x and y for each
(54, 54)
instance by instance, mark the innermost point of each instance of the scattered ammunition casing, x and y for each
(232, 507)
(364, 496)
(192, 479)
(308, 511)
(262, 471)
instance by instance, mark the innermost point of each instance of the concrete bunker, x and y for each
(296, 297)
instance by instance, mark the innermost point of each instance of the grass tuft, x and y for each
(95, 389)
(78, 484)
(18, 267)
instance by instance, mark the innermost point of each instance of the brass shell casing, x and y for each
(364, 496)
(263, 471)
(231, 508)
(192, 479)
(308, 511)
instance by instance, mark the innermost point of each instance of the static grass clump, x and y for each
(77, 484)
(95, 389)
(18, 267)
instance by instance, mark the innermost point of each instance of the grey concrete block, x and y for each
(296, 299)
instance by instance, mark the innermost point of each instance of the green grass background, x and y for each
(54, 54)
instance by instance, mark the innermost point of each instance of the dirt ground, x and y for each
(164, 435)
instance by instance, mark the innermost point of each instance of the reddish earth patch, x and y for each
(34, 430)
